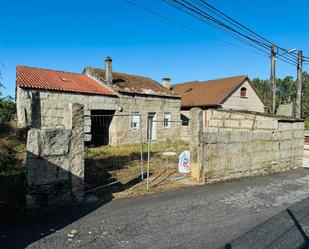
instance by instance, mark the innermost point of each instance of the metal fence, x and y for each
(163, 155)
(126, 149)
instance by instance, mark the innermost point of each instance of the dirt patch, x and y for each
(160, 181)
(122, 165)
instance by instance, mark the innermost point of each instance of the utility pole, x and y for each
(273, 79)
(298, 107)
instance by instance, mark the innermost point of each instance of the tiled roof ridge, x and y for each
(129, 74)
(205, 81)
(55, 80)
(48, 69)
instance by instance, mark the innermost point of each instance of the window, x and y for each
(243, 92)
(184, 120)
(135, 119)
(167, 120)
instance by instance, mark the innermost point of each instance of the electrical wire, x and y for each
(185, 6)
(191, 29)
(239, 32)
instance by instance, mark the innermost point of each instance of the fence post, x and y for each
(77, 151)
(196, 129)
(148, 147)
(142, 160)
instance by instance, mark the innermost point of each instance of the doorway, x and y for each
(152, 118)
(100, 123)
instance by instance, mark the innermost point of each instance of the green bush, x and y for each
(307, 123)
(7, 108)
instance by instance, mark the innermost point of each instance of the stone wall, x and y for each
(286, 110)
(185, 127)
(229, 145)
(55, 163)
(51, 110)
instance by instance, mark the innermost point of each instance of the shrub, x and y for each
(7, 108)
(307, 123)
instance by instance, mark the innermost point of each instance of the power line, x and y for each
(218, 28)
(203, 14)
(192, 10)
(233, 21)
(251, 38)
(190, 28)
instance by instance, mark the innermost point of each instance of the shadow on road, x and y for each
(288, 229)
(20, 230)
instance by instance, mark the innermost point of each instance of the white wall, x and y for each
(251, 103)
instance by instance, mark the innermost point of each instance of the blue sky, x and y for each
(69, 35)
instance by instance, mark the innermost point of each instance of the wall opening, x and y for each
(243, 92)
(100, 124)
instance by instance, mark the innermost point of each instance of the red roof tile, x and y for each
(45, 79)
(207, 93)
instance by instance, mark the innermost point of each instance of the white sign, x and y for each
(184, 162)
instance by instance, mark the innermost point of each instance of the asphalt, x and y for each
(262, 212)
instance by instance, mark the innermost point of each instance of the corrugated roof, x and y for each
(207, 93)
(128, 83)
(46, 79)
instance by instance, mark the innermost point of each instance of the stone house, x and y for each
(117, 106)
(234, 93)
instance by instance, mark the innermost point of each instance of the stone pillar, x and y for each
(196, 129)
(77, 151)
(55, 164)
(48, 175)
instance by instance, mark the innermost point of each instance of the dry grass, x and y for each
(122, 163)
(129, 149)
(12, 167)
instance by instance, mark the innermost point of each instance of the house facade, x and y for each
(117, 106)
(234, 93)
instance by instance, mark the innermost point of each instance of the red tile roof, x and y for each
(128, 83)
(207, 93)
(45, 79)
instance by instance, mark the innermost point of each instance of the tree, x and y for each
(7, 105)
(263, 87)
(286, 91)
(305, 98)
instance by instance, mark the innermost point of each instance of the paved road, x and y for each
(227, 215)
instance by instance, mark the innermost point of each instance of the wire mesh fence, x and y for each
(127, 147)
(113, 151)
(163, 155)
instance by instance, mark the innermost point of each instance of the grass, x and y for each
(12, 167)
(130, 149)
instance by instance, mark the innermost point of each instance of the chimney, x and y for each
(166, 82)
(108, 70)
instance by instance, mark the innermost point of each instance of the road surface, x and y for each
(248, 213)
